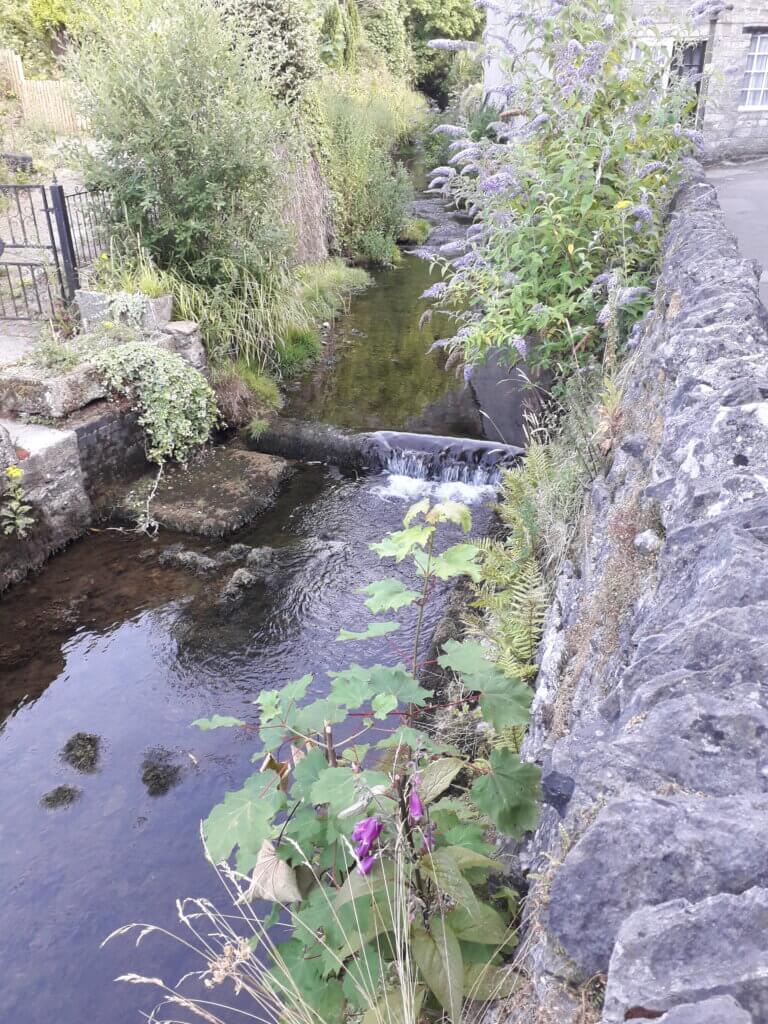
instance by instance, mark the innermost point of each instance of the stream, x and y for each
(109, 640)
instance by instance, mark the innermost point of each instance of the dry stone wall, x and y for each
(651, 708)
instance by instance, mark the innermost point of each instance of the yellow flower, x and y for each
(108, 324)
(103, 256)
(14, 473)
(622, 204)
(571, 249)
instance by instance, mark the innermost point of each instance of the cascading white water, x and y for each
(440, 467)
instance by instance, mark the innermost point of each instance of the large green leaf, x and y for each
(468, 859)
(217, 722)
(406, 736)
(389, 595)
(459, 560)
(437, 777)
(352, 687)
(451, 512)
(357, 886)
(373, 630)
(400, 683)
(441, 866)
(479, 923)
(438, 956)
(307, 772)
(362, 977)
(383, 704)
(401, 543)
(509, 795)
(243, 820)
(504, 701)
(483, 982)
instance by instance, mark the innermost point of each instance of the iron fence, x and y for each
(46, 238)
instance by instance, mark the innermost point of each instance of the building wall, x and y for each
(729, 131)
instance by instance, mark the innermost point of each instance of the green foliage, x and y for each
(340, 34)
(375, 843)
(449, 19)
(384, 28)
(256, 428)
(325, 287)
(574, 206)
(282, 41)
(175, 403)
(15, 518)
(415, 231)
(362, 119)
(297, 351)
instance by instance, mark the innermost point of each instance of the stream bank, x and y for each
(650, 885)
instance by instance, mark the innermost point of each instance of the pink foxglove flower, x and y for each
(365, 833)
(415, 806)
(364, 866)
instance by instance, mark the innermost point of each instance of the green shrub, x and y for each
(574, 205)
(175, 403)
(363, 117)
(297, 351)
(326, 286)
(282, 40)
(256, 428)
(415, 231)
(186, 134)
(385, 35)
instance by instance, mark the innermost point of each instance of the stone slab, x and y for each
(682, 952)
(220, 491)
(27, 391)
(720, 1010)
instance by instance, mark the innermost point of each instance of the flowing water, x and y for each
(109, 641)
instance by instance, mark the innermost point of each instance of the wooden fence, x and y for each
(46, 103)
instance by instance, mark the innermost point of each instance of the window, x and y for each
(754, 88)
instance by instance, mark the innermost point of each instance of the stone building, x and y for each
(725, 48)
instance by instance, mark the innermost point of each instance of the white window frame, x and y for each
(758, 50)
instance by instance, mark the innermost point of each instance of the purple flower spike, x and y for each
(365, 864)
(365, 833)
(415, 806)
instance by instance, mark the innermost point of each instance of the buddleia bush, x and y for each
(569, 185)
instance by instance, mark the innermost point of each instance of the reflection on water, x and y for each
(377, 373)
(109, 642)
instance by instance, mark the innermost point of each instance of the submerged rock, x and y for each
(158, 771)
(180, 558)
(234, 553)
(61, 796)
(81, 751)
(236, 587)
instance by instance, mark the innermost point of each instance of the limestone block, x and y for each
(647, 850)
(719, 1010)
(95, 307)
(682, 952)
(183, 337)
(30, 391)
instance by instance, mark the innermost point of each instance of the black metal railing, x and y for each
(46, 238)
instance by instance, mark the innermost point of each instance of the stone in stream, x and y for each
(81, 751)
(61, 796)
(683, 952)
(219, 491)
(236, 587)
(179, 557)
(234, 553)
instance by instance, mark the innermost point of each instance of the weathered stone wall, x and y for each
(111, 446)
(651, 709)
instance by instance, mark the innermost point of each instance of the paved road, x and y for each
(743, 192)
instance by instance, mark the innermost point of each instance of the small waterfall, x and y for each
(443, 459)
(426, 466)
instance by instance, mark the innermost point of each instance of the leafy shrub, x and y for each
(185, 133)
(16, 518)
(571, 198)
(175, 403)
(363, 117)
(385, 35)
(435, 71)
(283, 42)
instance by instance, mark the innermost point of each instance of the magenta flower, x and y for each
(415, 806)
(364, 866)
(365, 833)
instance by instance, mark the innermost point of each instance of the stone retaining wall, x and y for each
(651, 709)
